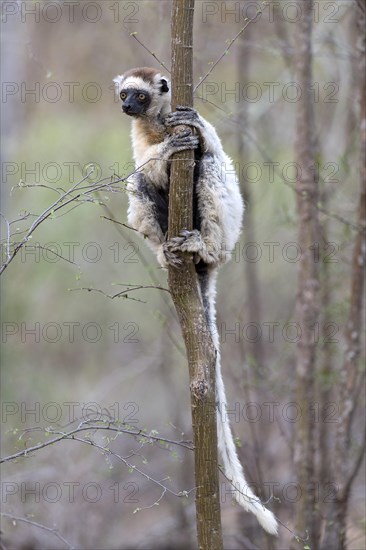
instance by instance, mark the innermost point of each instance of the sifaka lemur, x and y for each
(217, 218)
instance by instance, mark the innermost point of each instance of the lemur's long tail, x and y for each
(232, 467)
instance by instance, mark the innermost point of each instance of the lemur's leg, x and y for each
(207, 243)
(147, 209)
(148, 213)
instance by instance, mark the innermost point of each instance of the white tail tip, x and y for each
(267, 521)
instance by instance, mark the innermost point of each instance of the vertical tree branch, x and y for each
(251, 353)
(253, 304)
(308, 284)
(353, 331)
(183, 285)
(344, 468)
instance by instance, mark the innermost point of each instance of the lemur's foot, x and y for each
(183, 115)
(170, 255)
(192, 241)
(188, 241)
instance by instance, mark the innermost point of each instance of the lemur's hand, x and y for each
(183, 115)
(179, 141)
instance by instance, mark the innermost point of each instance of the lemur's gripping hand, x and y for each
(180, 141)
(183, 115)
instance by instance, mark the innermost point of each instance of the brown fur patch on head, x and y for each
(146, 73)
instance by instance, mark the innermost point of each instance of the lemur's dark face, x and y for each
(142, 97)
(135, 102)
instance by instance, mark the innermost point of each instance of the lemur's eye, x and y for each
(123, 95)
(142, 97)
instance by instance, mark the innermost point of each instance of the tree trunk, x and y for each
(308, 285)
(183, 286)
(253, 305)
(345, 470)
(335, 527)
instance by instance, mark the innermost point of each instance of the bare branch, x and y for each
(119, 223)
(134, 35)
(225, 52)
(169, 327)
(40, 526)
(357, 463)
(65, 198)
(123, 293)
(88, 425)
(267, 158)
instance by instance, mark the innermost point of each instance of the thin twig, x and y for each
(123, 293)
(8, 235)
(80, 198)
(259, 11)
(134, 35)
(357, 463)
(134, 468)
(119, 223)
(87, 426)
(169, 329)
(40, 526)
(268, 159)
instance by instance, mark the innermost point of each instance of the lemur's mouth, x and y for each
(129, 112)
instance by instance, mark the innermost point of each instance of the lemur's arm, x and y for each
(148, 202)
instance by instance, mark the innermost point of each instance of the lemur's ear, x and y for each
(117, 82)
(164, 86)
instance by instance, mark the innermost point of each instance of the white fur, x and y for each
(231, 464)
